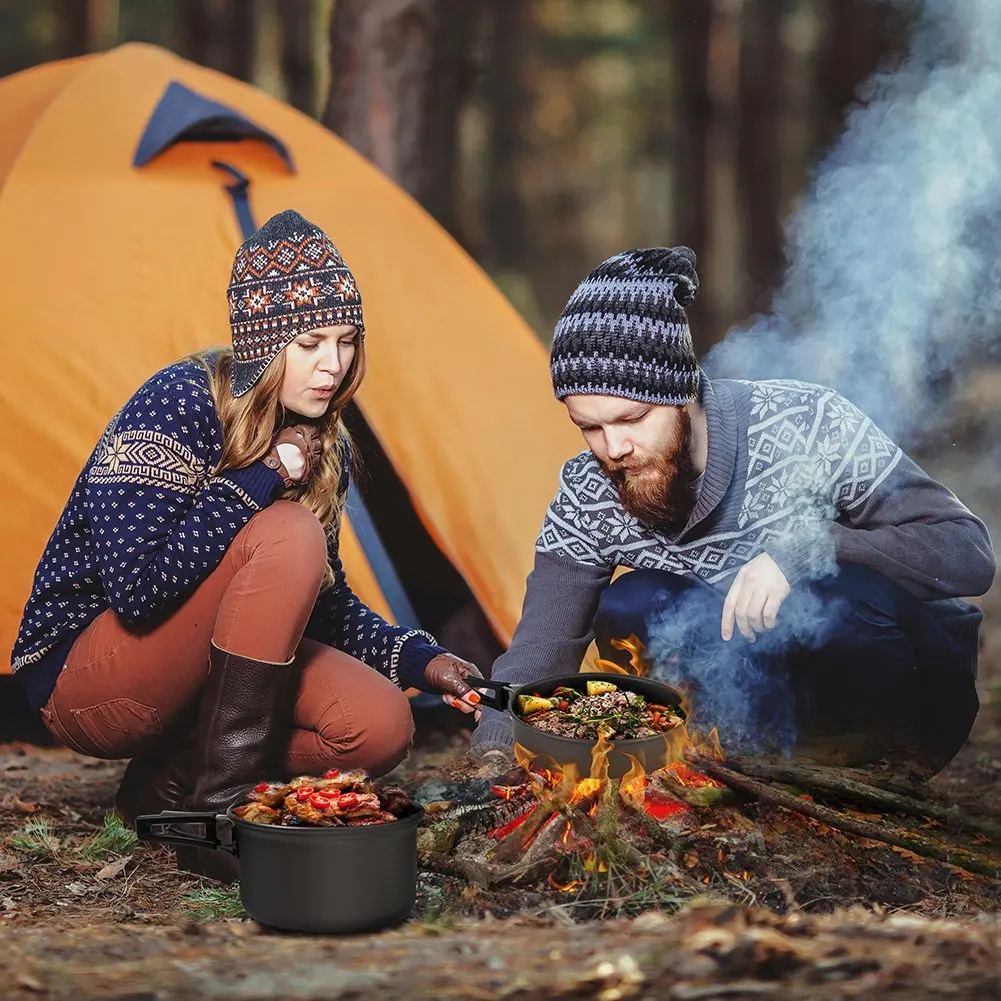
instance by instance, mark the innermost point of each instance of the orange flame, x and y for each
(523, 756)
(574, 884)
(639, 664)
(632, 787)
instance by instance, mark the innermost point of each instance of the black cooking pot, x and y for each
(651, 752)
(308, 879)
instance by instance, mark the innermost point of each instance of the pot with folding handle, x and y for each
(333, 880)
(652, 752)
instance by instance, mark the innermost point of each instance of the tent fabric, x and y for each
(108, 272)
(182, 115)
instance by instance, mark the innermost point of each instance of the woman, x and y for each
(190, 610)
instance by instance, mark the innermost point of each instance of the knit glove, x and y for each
(447, 675)
(303, 439)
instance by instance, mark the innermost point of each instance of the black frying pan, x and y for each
(652, 752)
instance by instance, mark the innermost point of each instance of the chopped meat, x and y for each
(335, 799)
(270, 793)
(257, 813)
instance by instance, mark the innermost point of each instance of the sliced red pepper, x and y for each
(261, 787)
(304, 793)
(332, 773)
(564, 705)
(348, 800)
(318, 800)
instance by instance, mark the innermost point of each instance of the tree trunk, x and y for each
(721, 256)
(762, 145)
(240, 19)
(73, 28)
(707, 47)
(692, 21)
(507, 103)
(220, 34)
(298, 68)
(195, 25)
(400, 74)
(858, 35)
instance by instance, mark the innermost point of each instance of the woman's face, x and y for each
(315, 365)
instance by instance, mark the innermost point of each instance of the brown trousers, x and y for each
(126, 691)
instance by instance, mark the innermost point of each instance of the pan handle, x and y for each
(167, 828)
(499, 695)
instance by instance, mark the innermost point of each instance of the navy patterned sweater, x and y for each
(147, 522)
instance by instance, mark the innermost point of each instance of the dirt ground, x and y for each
(85, 912)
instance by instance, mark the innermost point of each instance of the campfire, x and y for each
(697, 821)
(578, 819)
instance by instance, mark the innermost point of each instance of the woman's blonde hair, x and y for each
(250, 422)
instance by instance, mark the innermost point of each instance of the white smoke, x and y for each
(893, 280)
(892, 289)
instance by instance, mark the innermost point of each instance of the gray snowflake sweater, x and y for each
(148, 520)
(794, 470)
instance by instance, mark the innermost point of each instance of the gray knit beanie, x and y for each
(624, 331)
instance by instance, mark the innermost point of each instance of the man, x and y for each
(791, 566)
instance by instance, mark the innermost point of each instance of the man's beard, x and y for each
(662, 496)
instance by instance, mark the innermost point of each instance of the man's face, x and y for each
(645, 449)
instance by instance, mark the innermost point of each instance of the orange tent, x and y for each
(109, 270)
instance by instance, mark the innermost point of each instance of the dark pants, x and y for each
(856, 669)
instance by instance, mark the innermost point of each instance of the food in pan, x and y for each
(604, 709)
(335, 799)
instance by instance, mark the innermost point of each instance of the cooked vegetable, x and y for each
(533, 704)
(619, 715)
(600, 687)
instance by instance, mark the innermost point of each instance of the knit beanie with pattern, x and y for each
(288, 278)
(624, 331)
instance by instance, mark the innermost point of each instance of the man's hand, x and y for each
(754, 599)
(447, 674)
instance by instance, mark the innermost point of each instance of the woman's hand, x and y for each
(447, 674)
(295, 453)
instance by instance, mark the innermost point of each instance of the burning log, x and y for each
(690, 787)
(964, 858)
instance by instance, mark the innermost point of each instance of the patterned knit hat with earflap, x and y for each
(624, 331)
(288, 278)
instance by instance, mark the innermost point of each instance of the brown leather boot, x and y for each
(233, 745)
(153, 782)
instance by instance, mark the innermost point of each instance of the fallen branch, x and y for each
(814, 779)
(962, 857)
(696, 796)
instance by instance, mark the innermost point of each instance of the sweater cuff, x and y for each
(495, 731)
(418, 650)
(809, 555)
(255, 484)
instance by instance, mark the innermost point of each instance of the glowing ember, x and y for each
(686, 776)
(500, 833)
